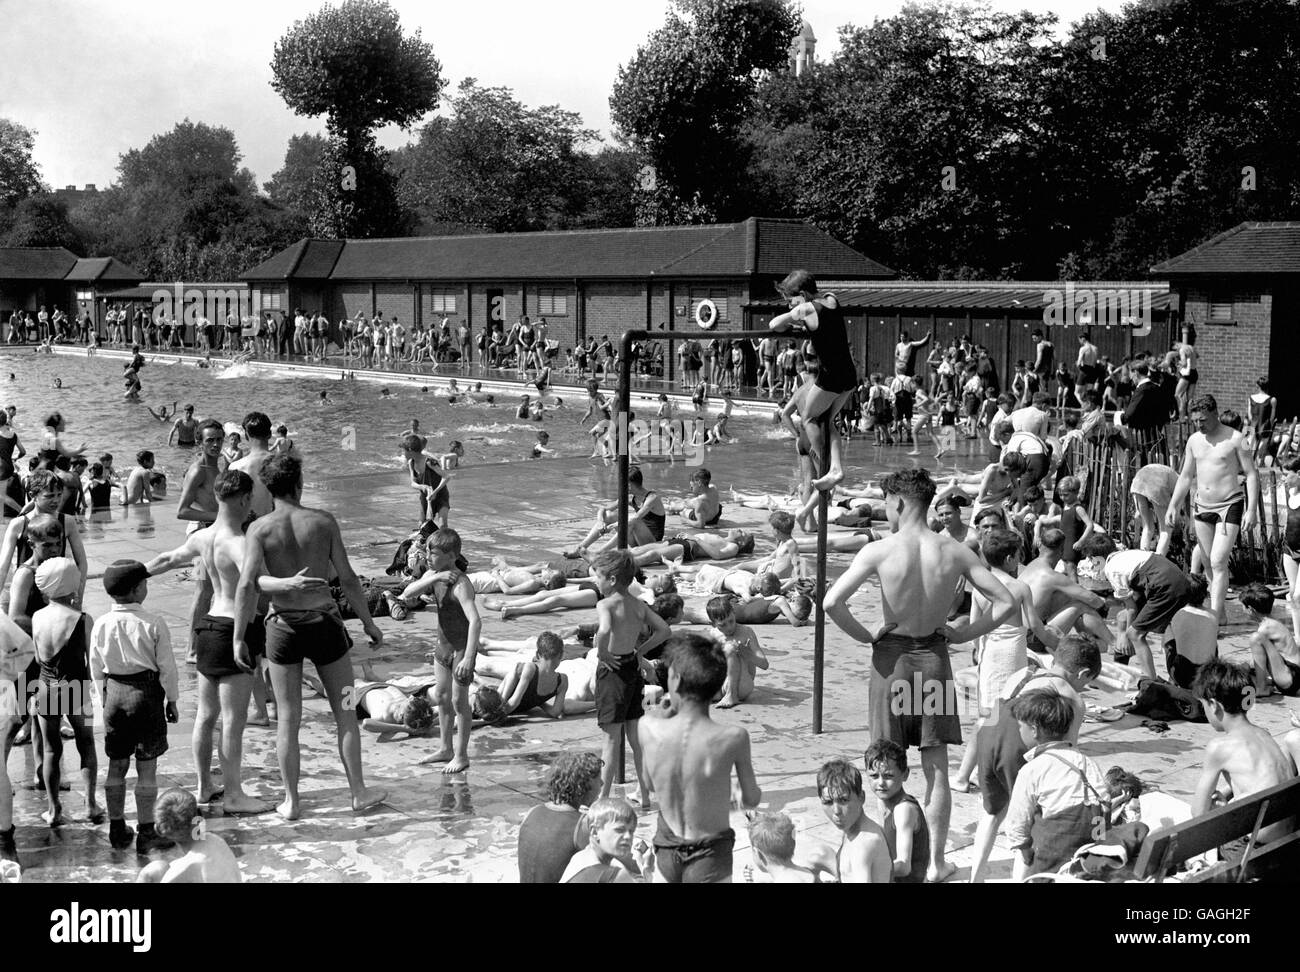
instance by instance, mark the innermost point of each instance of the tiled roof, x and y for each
(106, 269)
(36, 263)
(980, 295)
(729, 249)
(1246, 248)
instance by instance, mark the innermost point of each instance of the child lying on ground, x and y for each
(402, 704)
(758, 610)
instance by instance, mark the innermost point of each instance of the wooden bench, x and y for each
(1278, 860)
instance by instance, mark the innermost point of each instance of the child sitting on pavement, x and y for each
(608, 857)
(743, 653)
(1273, 651)
(548, 837)
(901, 816)
(771, 841)
(689, 760)
(201, 856)
(1245, 755)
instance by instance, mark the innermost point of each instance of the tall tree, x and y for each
(496, 164)
(683, 97)
(19, 176)
(353, 64)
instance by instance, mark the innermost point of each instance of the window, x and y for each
(442, 300)
(719, 298)
(1221, 311)
(85, 294)
(269, 299)
(552, 302)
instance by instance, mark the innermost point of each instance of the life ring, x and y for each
(706, 314)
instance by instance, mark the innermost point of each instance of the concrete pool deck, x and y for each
(464, 829)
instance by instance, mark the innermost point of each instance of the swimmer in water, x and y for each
(161, 415)
(324, 398)
(385, 393)
(58, 382)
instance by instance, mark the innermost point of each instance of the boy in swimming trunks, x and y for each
(435, 503)
(204, 858)
(690, 760)
(740, 647)
(184, 429)
(1273, 651)
(714, 579)
(621, 617)
(458, 634)
(704, 506)
(863, 856)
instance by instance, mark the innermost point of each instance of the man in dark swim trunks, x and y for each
(821, 318)
(1217, 457)
(300, 546)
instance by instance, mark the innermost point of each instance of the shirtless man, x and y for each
(1057, 600)
(1217, 457)
(302, 546)
(198, 506)
(185, 429)
(689, 759)
(257, 428)
(225, 684)
(918, 572)
(905, 352)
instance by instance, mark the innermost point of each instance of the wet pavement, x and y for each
(464, 829)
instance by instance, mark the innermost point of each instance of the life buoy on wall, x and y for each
(706, 314)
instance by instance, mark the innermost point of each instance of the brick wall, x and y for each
(396, 299)
(612, 308)
(1231, 358)
(514, 304)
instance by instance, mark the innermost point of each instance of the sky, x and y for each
(108, 75)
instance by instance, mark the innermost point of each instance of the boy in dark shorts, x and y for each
(134, 672)
(458, 645)
(690, 759)
(620, 619)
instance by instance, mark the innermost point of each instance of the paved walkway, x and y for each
(433, 829)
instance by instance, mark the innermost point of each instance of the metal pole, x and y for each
(623, 449)
(819, 631)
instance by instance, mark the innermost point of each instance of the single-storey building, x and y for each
(55, 277)
(584, 282)
(1241, 292)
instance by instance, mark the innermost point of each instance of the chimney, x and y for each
(70, 189)
(90, 187)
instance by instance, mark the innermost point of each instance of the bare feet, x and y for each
(53, 817)
(828, 481)
(210, 794)
(313, 683)
(243, 803)
(457, 765)
(441, 756)
(727, 702)
(963, 786)
(505, 613)
(94, 813)
(289, 809)
(937, 875)
(262, 721)
(369, 799)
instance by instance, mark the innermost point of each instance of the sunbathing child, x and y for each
(402, 704)
(608, 857)
(1273, 651)
(771, 841)
(537, 684)
(1000, 748)
(621, 618)
(684, 549)
(1245, 755)
(547, 837)
(863, 855)
(585, 595)
(690, 759)
(200, 857)
(1057, 804)
(704, 506)
(713, 579)
(901, 816)
(1132, 801)
(784, 561)
(757, 610)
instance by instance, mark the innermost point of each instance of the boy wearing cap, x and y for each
(60, 632)
(135, 674)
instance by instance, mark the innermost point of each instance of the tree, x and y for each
(42, 220)
(19, 176)
(498, 165)
(682, 100)
(353, 64)
(292, 186)
(191, 156)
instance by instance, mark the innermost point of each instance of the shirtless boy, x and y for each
(1059, 601)
(301, 546)
(918, 572)
(184, 430)
(690, 759)
(198, 506)
(743, 652)
(1218, 458)
(136, 488)
(759, 610)
(863, 856)
(1245, 756)
(201, 857)
(224, 684)
(620, 618)
(704, 506)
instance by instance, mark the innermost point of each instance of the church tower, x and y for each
(803, 50)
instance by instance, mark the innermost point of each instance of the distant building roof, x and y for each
(1246, 248)
(36, 263)
(102, 269)
(1004, 295)
(756, 246)
(806, 31)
